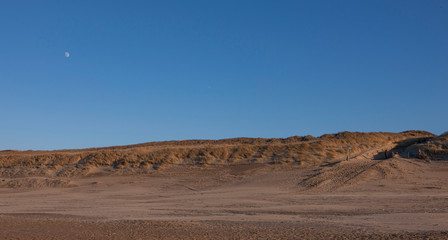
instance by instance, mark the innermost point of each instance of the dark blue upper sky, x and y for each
(144, 71)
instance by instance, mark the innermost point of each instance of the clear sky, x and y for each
(142, 71)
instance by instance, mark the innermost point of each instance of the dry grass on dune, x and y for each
(435, 148)
(146, 157)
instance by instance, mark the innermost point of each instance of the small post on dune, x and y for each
(348, 153)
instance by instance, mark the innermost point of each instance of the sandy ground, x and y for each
(357, 199)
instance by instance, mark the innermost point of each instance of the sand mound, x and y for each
(348, 173)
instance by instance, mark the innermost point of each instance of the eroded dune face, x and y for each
(150, 157)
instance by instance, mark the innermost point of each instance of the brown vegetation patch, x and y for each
(146, 157)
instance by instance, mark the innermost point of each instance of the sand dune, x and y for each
(148, 157)
(259, 189)
(345, 174)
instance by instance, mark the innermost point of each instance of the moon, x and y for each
(67, 54)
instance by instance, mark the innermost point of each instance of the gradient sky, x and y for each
(143, 71)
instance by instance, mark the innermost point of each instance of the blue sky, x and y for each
(143, 71)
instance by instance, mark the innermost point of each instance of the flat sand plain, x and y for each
(396, 198)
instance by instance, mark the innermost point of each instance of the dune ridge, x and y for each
(149, 157)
